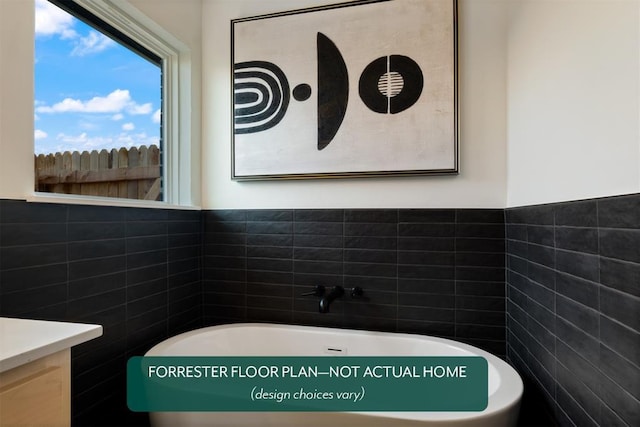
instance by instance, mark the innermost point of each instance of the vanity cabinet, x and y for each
(35, 370)
(37, 393)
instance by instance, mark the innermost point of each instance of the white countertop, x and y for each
(23, 340)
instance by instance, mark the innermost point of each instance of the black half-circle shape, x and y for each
(333, 90)
(278, 85)
(413, 83)
(368, 86)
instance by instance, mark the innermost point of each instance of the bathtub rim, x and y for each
(507, 396)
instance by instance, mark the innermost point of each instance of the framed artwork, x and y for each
(362, 88)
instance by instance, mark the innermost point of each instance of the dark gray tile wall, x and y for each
(573, 284)
(134, 271)
(573, 307)
(436, 272)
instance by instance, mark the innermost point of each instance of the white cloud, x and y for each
(66, 106)
(51, 20)
(117, 101)
(93, 43)
(128, 126)
(39, 134)
(137, 110)
(138, 139)
(84, 141)
(156, 116)
(117, 117)
(69, 139)
(87, 125)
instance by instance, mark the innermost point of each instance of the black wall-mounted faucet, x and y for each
(317, 291)
(327, 299)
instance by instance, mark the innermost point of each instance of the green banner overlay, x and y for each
(307, 384)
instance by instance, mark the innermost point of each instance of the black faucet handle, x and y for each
(317, 291)
(356, 292)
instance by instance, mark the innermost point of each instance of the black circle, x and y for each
(411, 90)
(368, 87)
(302, 92)
(413, 79)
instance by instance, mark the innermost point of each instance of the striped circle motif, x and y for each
(390, 84)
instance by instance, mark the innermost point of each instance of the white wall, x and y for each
(558, 79)
(482, 80)
(16, 98)
(573, 105)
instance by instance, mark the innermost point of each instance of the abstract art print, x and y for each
(363, 88)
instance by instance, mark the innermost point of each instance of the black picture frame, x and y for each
(362, 92)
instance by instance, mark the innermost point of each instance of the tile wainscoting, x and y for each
(134, 271)
(437, 272)
(572, 295)
(573, 307)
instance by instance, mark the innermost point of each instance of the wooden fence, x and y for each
(132, 173)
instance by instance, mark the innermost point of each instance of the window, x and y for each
(105, 87)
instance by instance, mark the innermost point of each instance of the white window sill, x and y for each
(103, 201)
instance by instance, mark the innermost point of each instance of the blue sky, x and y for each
(90, 92)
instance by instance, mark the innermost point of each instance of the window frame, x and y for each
(144, 37)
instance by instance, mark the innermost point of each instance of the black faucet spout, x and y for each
(327, 299)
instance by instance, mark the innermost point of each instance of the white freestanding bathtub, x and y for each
(505, 385)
